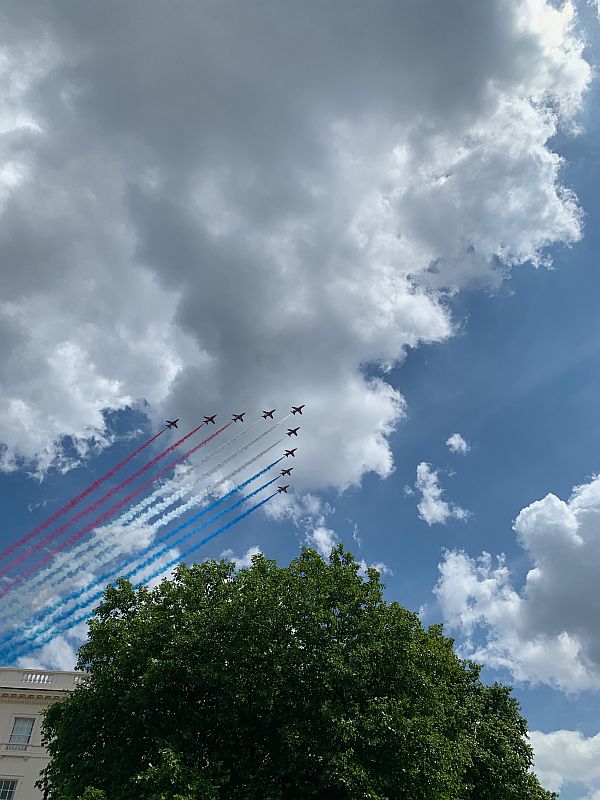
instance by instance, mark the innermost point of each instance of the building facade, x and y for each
(24, 694)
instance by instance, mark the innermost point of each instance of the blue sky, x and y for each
(212, 245)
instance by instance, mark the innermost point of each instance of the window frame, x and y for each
(15, 786)
(17, 743)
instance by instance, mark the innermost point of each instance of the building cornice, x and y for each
(45, 698)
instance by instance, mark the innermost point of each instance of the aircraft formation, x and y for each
(41, 595)
(172, 423)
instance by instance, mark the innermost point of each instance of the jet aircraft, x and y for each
(293, 431)
(284, 489)
(297, 409)
(172, 423)
(286, 471)
(269, 413)
(238, 417)
(210, 419)
(290, 453)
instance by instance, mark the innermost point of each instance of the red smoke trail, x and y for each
(88, 509)
(72, 503)
(75, 537)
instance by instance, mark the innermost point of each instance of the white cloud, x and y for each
(190, 236)
(356, 534)
(432, 507)
(565, 755)
(323, 540)
(456, 444)
(308, 513)
(547, 630)
(381, 568)
(244, 561)
(57, 654)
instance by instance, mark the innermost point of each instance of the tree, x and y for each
(279, 682)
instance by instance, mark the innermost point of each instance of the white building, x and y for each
(23, 696)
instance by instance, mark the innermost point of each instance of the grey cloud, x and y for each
(219, 203)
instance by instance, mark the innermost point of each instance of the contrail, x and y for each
(99, 539)
(106, 516)
(45, 585)
(50, 631)
(16, 562)
(72, 503)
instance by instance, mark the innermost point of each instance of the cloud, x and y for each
(323, 540)
(193, 231)
(546, 630)
(57, 654)
(456, 444)
(381, 568)
(565, 755)
(242, 562)
(431, 507)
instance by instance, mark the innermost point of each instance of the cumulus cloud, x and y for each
(190, 229)
(323, 540)
(243, 561)
(547, 629)
(432, 507)
(456, 444)
(381, 568)
(57, 654)
(566, 755)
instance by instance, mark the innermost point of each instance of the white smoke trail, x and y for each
(132, 512)
(39, 637)
(119, 541)
(61, 603)
(99, 537)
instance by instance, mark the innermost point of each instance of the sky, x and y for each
(386, 212)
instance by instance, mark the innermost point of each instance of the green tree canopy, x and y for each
(279, 683)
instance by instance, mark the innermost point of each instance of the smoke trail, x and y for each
(164, 567)
(16, 562)
(106, 516)
(180, 493)
(105, 576)
(131, 513)
(99, 540)
(15, 652)
(38, 595)
(72, 503)
(49, 631)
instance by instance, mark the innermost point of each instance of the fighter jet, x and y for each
(210, 419)
(286, 471)
(290, 453)
(293, 431)
(297, 409)
(172, 423)
(284, 489)
(269, 413)
(238, 417)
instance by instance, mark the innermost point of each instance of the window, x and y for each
(21, 734)
(7, 789)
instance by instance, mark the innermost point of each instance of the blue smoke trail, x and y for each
(105, 576)
(45, 635)
(49, 584)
